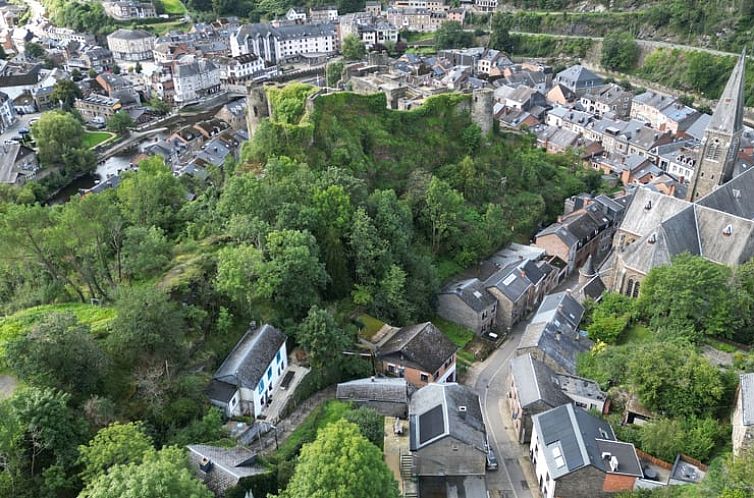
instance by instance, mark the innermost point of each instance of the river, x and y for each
(105, 169)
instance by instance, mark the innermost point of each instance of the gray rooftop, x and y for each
(130, 34)
(472, 292)
(728, 115)
(534, 382)
(446, 410)
(421, 346)
(248, 360)
(385, 389)
(572, 439)
(747, 398)
(511, 281)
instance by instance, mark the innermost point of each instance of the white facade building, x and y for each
(278, 44)
(194, 79)
(238, 69)
(246, 380)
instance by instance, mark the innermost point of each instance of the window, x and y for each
(424, 377)
(278, 357)
(269, 373)
(261, 386)
(391, 368)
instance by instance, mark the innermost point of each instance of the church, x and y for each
(716, 221)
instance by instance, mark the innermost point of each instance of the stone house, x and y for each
(447, 432)
(420, 353)
(743, 415)
(576, 454)
(559, 94)
(387, 395)
(222, 468)
(533, 388)
(553, 336)
(246, 381)
(607, 99)
(468, 303)
(578, 79)
(514, 294)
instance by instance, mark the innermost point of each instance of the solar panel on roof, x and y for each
(431, 424)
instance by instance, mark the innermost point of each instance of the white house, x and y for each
(245, 382)
(7, 113)
(234, 70)
(296, 14)
(194, 78)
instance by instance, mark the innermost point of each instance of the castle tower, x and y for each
(722, 137)
(256, 108)
(481, 109)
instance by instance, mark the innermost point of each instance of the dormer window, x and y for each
(648, 205)
(652, 238)
(728, 230)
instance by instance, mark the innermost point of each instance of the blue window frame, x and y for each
(261, 386)
(269, 373)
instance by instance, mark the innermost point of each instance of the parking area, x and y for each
(22, 122)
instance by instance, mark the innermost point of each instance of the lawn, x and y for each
(97, 317)
(460, 336)
(94, 138)
(323, 415)
(173, 7)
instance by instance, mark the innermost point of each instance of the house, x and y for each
(513, 292)
(609, 98)
(97, 106)
(420, 353)
(131, 45)
(576, 454)
(554, 139)
(194, 79)
(578, 235)
(126, 10)
(534, 388)
(296, 14)
(468, 303)
(7, 112)
(649, 107)
(387, 395)
(560, 94)
(578, 79)
(323, 13)
(18, 163)
(245, 382)
(447, 432)
(238, 70)
(743, 415)
(377, 33)
(553, 336)
(222, 468)
(233, 113)
(514, 119)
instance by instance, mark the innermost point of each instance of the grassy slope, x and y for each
(173, 7)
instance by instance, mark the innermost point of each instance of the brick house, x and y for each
(420, 353)
(576, 454)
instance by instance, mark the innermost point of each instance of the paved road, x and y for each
(21, 122)
(509, 480)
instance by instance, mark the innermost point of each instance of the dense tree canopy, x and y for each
(341, 462)
(59, 137)
(619, 51)
(353, 48)
(116, 444)
(452, 35)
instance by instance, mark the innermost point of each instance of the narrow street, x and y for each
(489, 380)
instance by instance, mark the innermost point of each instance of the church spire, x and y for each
(722, 138)
(728, 115)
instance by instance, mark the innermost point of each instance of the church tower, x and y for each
(722, 137)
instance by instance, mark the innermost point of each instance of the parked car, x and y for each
(491, 460)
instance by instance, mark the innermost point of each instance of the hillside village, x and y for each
(242, 252)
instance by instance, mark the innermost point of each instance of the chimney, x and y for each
(462, 411)
(372, 378)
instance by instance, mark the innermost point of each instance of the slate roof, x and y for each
(130, 34)
(654, 99)
(578, 226)
(421, 346)
(250, 357)
(289, 32)
(581, 439)
(578, 76)
(386, 389)
(533, 381)
(554, 330)
(640, 221)
(728, 115)
(221, 391)
(437, 411)
(472, 292)
(511, 281)
(228, 465)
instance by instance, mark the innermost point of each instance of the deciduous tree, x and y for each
(116, 444)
